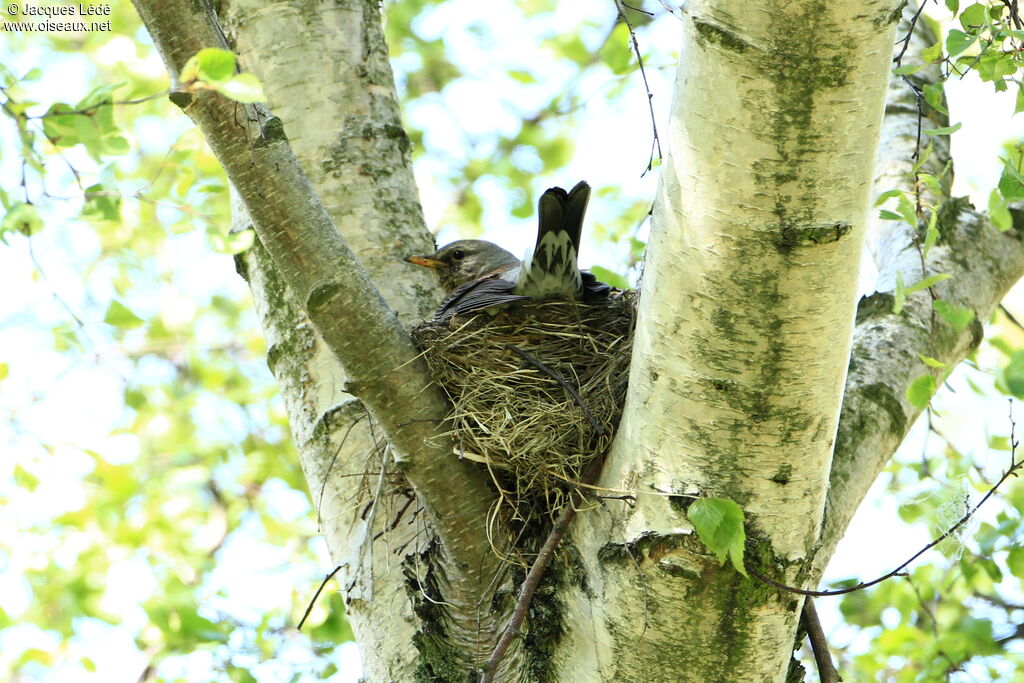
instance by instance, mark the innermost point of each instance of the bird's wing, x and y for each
(594, 288)
(488, 292)
(494, 292)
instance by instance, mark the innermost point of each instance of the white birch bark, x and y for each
(742, 342)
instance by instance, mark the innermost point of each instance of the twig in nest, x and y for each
(819, 645)
(330, 466)
(557, 376)
(398, 517)
(534, 576)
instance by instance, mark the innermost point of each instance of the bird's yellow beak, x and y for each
(425, 261)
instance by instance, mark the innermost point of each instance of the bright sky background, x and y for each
(81, 402)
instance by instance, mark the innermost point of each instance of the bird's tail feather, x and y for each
(560, 210)
(549, 269)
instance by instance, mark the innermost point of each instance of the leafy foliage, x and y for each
(152, 504)
(148, 452)
(216, 69)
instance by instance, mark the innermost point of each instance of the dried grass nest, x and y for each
(536, 390)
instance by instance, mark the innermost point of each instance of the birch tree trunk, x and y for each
(739, 366)
(737, 376)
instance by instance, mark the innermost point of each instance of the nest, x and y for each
(536, 390)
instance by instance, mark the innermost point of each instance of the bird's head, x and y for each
(465, 261)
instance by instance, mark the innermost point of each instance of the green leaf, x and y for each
(994, 66)
(927, 282)
(23, 218)
(335, 627)
(999, 211)
(1019, 106)
(215, 64)
(944, 130)
(719, 524)
(1011, 182)
(63, 128)
(888, 194)
(887, 215)
(931, 362)
(521, 76)
(907, 69)
(134, 398)
(973, 16)
(121, 316)
(934, 95)
(925, 156)
(5, 370)
(35, 655)
(931, 181)
(25, 479)
(932, 53)
(957, 316)
(616, 51)
(612, 278)
(1001, 218)
(931, 235)
(953, 6)
(907, 210)
(1013, 375)
(189, 72)
(1015, 561)
(114, 145)
(99, 204)
(921, 391)
(101, 95)
(899, 297)
(237, 674)
(242, 88)
(957, 42)
(570, 46)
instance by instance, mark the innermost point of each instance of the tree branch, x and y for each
(326, 71)
(819, 643)
(325, 275)
(983, 264)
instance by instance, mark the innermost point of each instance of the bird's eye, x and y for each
(458, 254)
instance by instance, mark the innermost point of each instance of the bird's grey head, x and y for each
(464, 261)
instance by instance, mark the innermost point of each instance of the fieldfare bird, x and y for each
(479, 275)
